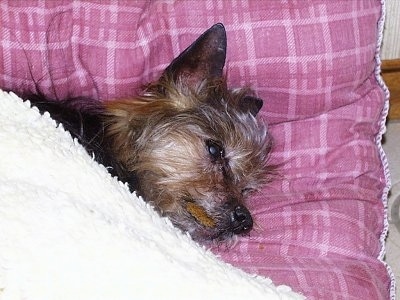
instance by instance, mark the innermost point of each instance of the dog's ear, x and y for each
(250, 104)
(204, 59)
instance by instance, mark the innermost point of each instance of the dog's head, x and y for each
(196, 147)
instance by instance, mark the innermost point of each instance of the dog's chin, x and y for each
(210, 236)
(224, 240)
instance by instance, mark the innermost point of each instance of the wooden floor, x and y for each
(391, 75)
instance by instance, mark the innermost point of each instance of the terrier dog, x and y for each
(187, 144)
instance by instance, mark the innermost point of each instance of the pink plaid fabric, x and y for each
(320, 225)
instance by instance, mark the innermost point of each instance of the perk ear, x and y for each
(250, 104)
(204, 59)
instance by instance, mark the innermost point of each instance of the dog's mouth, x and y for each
(234, 221)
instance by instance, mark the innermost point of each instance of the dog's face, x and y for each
(196, 148)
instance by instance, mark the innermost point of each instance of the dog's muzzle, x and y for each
(241, 220)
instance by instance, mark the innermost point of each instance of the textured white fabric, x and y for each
(68, 230)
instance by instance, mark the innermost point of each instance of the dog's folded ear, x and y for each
(202, 60)
(250, 104)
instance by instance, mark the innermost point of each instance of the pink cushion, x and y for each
(320, 225)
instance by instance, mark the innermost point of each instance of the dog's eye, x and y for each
(215, 149)
(247, 191)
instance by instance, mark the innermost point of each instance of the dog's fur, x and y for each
(190, 146)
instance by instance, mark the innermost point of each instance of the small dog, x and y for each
(188, 145)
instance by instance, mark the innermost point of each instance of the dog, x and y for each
(192, 148)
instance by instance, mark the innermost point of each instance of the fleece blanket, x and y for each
(68, 230)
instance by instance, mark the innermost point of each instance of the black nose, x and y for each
(241, 220)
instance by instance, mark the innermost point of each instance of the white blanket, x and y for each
(68, 230)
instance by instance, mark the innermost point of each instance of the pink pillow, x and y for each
(321, 224)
